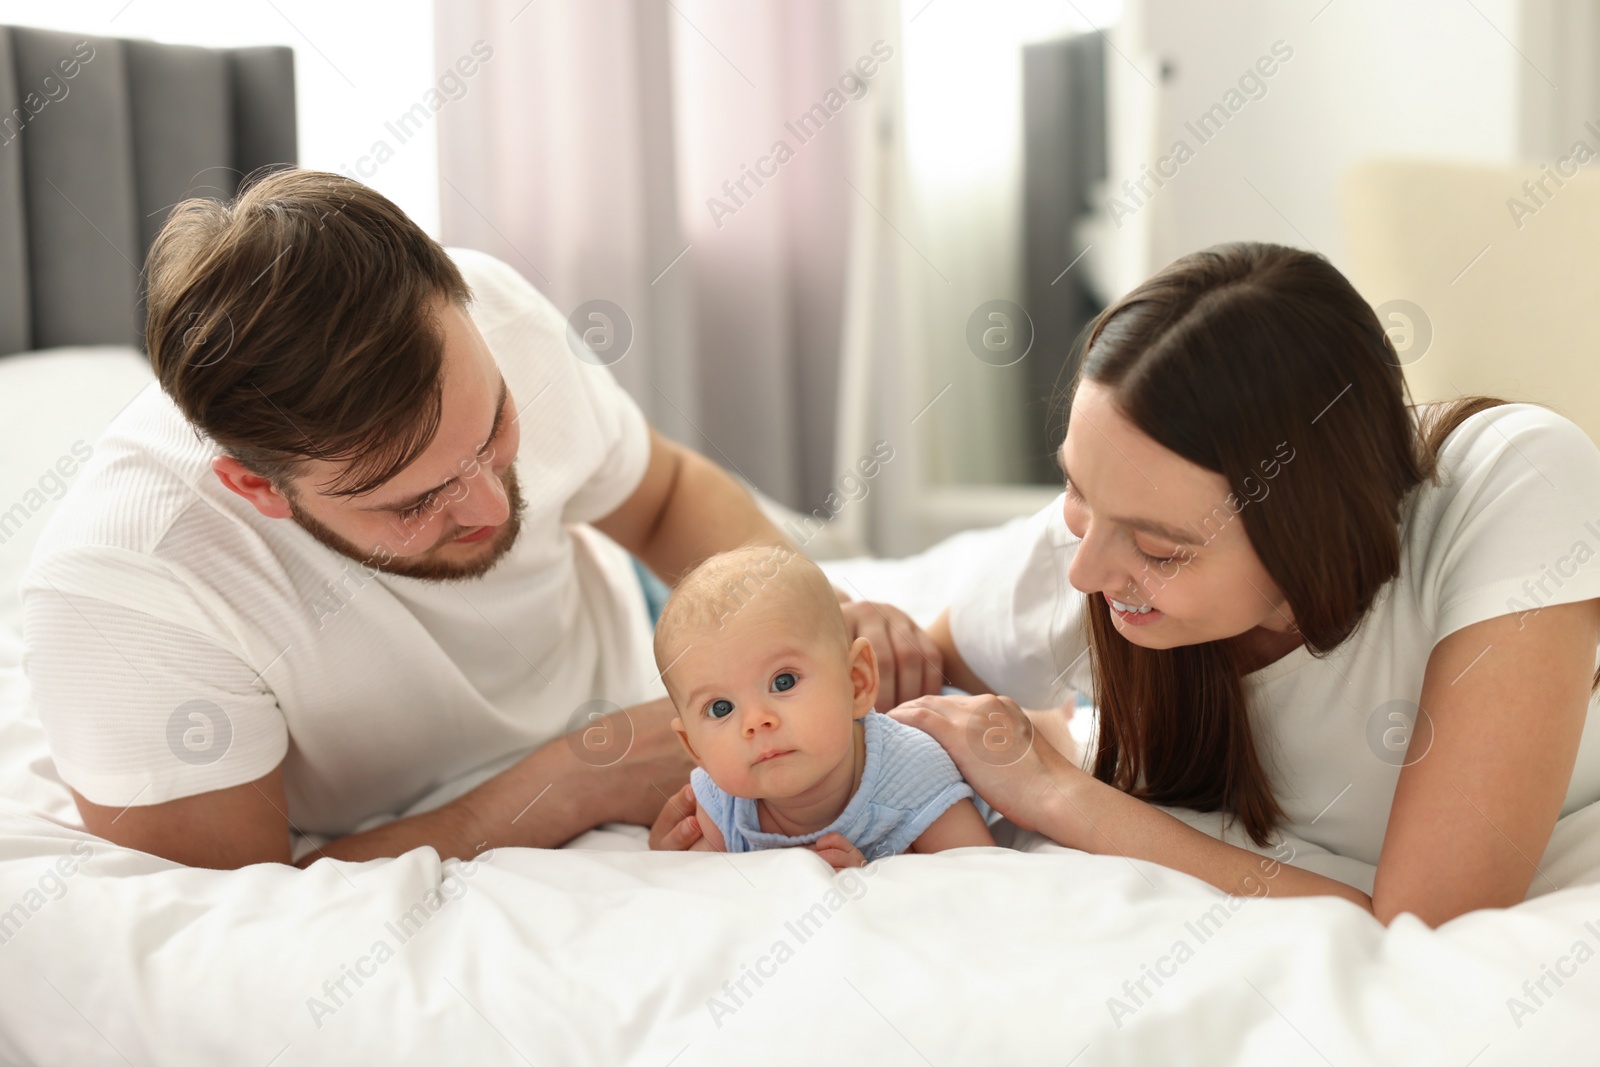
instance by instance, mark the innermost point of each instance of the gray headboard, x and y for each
(99, 138)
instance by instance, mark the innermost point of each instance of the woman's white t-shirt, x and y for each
(1514, 525)
(176, 641)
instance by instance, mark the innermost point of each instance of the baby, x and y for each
(774, 704)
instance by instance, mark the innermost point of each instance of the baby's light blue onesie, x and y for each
(908, 782)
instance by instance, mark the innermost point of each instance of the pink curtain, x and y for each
(628, 152)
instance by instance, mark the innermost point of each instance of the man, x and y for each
(366, 545)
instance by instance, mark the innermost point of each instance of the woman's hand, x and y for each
(838, 851)
(999, 753)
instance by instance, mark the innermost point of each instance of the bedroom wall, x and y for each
(1362, 78)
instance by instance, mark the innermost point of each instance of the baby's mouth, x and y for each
(774, 753)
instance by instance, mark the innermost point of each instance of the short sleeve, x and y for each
(573, 411)
(627, 436)
(139, 710)
(1017, 621)
(1514, 525)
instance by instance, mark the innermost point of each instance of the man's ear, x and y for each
(683, 736)
(863, 676)
(254, 488)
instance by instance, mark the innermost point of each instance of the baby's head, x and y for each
(755, 655)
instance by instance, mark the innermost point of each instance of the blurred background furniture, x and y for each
(1487, 287)
(93, 161)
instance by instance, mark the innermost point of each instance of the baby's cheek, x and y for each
(729, 772)
(732, 779)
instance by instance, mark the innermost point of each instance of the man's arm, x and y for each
(685, 509)
(955, 668)
(542, 801)
(225, 829)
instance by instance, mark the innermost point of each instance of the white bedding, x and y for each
(606, 953)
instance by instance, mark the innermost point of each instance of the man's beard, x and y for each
(425, 566)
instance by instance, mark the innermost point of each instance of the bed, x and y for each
(605, 953)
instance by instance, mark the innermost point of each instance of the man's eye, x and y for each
(720, 709)
(416, 509)
(784, 682)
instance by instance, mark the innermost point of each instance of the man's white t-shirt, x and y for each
(176, 641)
(1513, 526)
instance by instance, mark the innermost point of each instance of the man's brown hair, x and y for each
(296, 323)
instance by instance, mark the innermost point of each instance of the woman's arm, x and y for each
(1090, 815)
(1029, 781)
(1506, 698)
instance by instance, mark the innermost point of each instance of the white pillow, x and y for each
(54, 405)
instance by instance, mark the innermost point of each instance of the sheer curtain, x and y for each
(628, 152)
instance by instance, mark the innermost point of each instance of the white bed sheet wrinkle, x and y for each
(587, 955)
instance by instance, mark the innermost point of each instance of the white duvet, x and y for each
(606, 953)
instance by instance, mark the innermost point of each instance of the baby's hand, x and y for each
(838, 851)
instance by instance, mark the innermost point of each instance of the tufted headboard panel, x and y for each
(99, 138)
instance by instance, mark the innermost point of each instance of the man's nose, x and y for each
(485, 502)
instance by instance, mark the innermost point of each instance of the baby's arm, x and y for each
(959, 827)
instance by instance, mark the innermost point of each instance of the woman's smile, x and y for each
(1129, 615)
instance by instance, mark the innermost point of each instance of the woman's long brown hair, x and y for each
(1223, 357)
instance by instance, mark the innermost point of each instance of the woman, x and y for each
(1295, 601)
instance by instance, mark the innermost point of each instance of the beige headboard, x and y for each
(1508, 280)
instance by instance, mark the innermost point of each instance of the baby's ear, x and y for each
(863, 676)
(683, 737)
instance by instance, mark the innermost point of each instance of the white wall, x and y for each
(1426, 78)
(357, 66)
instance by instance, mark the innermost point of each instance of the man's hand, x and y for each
(676, 827)
(651, 767)
(909, 663)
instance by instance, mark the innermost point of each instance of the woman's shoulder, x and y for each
(1527, 449)
(1492, 434)
(1516, 496)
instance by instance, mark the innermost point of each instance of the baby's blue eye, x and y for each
(720, 709)
(784, 682)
